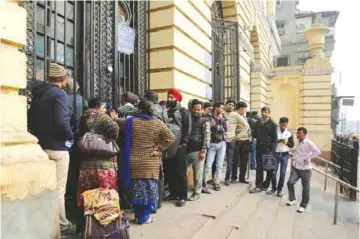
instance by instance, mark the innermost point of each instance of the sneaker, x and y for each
(227, 182)
(205, 191)
(280, 194)
(69, 231)
(181, 203)
(271, 192)
(194, 197)
(291, 203)
(301, 210)
(233, 181)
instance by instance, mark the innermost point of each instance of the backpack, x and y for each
(174, 124)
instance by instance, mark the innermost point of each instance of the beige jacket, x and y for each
(243, 130)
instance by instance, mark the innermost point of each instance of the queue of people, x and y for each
(158, 142)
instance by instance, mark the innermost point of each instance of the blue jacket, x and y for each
(49, 117)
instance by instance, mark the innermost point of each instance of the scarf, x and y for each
(128, 144)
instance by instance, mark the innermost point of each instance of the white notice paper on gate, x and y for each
(126, 39)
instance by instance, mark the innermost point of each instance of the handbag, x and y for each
(97, 145)
(269, 161)
(118, 229)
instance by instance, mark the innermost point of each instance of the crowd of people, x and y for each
(159, 142)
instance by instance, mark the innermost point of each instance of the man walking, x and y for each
(199, 142)
(242, 145)
(231, 117)
(49, 121)
(218, 127)
(285, 143)
(265, 132)
(175, 167)
(302, 169)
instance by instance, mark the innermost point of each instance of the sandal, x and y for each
(255, 190)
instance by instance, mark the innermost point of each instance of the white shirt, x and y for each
(281, 148)
(305, 151)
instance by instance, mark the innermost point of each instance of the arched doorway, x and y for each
(285, 104)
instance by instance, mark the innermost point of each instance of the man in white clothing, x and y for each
(301, 168)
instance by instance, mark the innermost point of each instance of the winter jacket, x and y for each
(183, 118)
(266, 134)
(49, 117)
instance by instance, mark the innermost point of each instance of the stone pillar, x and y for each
(29, 207)
(316, 91)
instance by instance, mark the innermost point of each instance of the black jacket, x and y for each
(265, 134)
(49, 117)
(184, 122)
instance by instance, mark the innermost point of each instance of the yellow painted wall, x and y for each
(26, 172)
(180, 47)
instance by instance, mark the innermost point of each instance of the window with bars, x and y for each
(54, 35)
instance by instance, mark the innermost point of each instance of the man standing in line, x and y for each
(231, 117)
(218, 127)
(285, 143)
(302, 169)
(49, 121)
(175, 167)
(199, 143)
(242, 144)
(252, 120)
(207, 110)
(128, 103)
(265, 132)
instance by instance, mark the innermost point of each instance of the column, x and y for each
(29, 207)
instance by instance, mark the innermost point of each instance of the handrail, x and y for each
(337, 180)
(326, 169)
(337, 191)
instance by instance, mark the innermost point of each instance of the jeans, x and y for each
(217, 150)
(282, 159)
(198, 169)
(305, 176)
(61, 159)
(241, 158)
(253, 154)
(259, 182)
(230, 149)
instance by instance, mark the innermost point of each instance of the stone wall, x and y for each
(28, 179)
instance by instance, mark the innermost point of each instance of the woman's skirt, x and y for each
(96, 173)
(145, 198)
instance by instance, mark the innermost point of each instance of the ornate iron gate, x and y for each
(225, 57)
(82, 36)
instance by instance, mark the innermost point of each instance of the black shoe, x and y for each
(205, 191)
(227, 182)
(181, 203)
(154, 211)
(244, 181)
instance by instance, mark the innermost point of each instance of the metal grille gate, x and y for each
(81, 35)
(226, 82)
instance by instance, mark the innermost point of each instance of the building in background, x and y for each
(292, 23)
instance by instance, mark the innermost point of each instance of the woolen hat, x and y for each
(176, 93)
(56, 70)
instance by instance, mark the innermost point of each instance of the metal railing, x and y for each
(337, 190)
